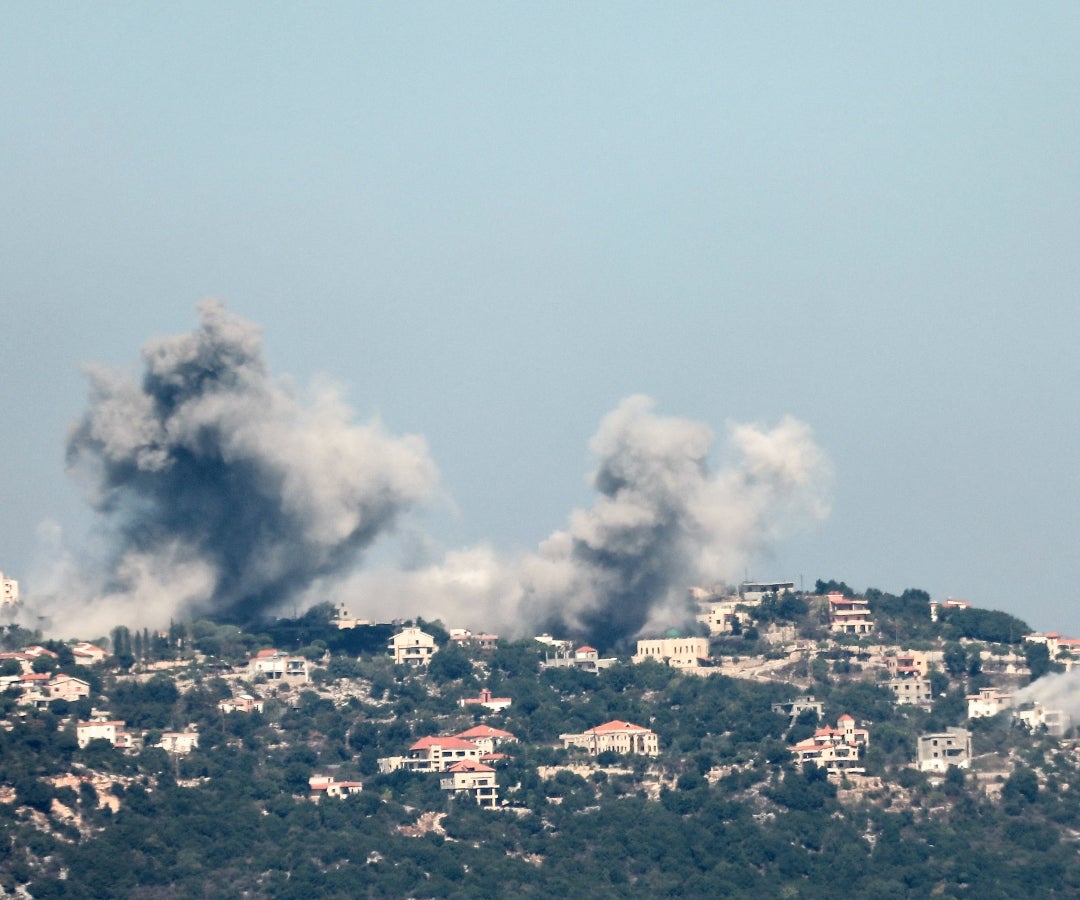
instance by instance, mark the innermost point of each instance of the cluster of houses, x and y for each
(114, 731)
(466, 760)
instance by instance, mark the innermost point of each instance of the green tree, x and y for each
(1037, 657)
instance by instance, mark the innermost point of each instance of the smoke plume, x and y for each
(1058, 690)
(661, 522)
(223, 493)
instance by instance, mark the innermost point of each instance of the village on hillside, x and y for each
(890, 699)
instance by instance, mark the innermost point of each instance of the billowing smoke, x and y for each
(661, 523)
(1059, 690)
(222, 491)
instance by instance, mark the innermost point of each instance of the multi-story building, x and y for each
(679, 653)
(936, 752)
(412, 647)
(1055, 722)
(621, 737)
(849, 615)
(9, 591)
(275, 665)
(328, 786)
(495, 704)
(472, 779)
(911, 691)
(795, 708)
(989, 701)
(834, 749)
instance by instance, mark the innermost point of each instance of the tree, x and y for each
(1037, 657)
(955, 659)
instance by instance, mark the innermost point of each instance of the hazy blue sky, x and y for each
(491, 222)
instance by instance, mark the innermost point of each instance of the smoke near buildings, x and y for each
(222, 493)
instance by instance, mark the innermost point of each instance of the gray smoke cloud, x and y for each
(222, 491)
(661, 522)
(1059, 690)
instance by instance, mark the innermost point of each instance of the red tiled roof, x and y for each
(484, 731)
(447, 743)
(469, 765)
(586, 649)
(613, 726)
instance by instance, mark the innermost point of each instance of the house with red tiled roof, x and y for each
(470, 778)
(834, 749)
(437, 754)
(241, 703)
(88, 654)
(585, 658)
(618, 736)
(487, 738)
(328, 786)
(495, 704)
(849, 615)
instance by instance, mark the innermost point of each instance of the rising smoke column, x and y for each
(663, 522)
(225, 494)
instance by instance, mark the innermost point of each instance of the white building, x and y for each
(679, 653)
(936, 752)
(326, 785)
(178, 741)
(1039, 718)
(275, 665)
(989, 701)
(834, 749)
(621, 737)
(753, 592)
(412, 647)
(9, 591)
(472, 779)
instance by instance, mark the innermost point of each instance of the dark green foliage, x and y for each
(984, 625)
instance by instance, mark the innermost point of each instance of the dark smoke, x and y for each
(225, 494)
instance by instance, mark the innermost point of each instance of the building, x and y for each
(911, 691)
(469, 778)
(495, 704)
(85, 732)
(723, 616)
(462, 638)
(989, 701)
(486, 738)
(936, 752)
(753, 592)
(795, 708)
(836, 750)
(949, 603)
(178, 741)
(679, 653)
(9, 591)
(849, 615)
(241, 703)
(620, 737)
(87, 654)
(1055, 722)
(585, 658)
(908, 664)
(412, 647)
(327, 786)
(437, 754)
(273, 665)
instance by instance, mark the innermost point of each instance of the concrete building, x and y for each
(585, 658)
(989, 701)
(849, 615)
(437, 754)
(327, 786)
(936, 752)
(87, 654)
(9, 591)
(908, 664)
(795, 708)
(178, 741)
(620, 737)
(486, 738)
(412, 647)
(274, 665)
(836, 750)
(753, 592)
(241, 703)
(911, 691)
(85, 732)
(469, 778)
(1055, 722)
(679, 653)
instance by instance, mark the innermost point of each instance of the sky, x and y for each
(489, 224)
